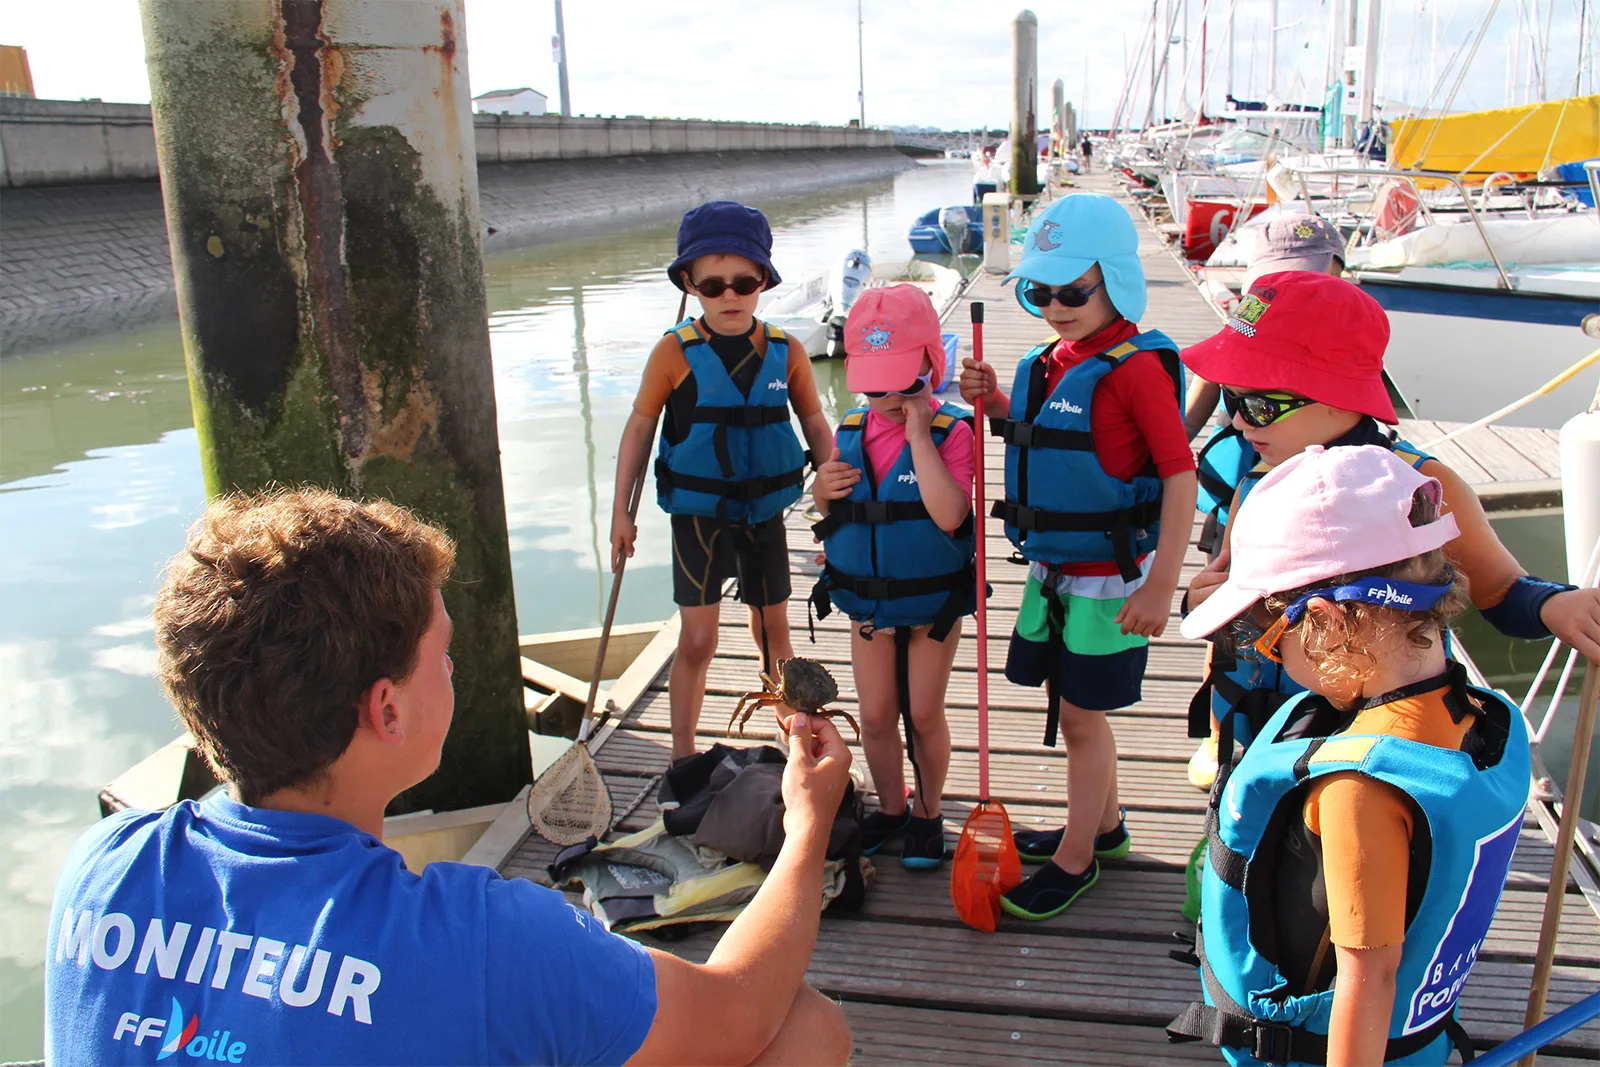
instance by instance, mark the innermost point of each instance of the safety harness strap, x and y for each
(1117, 525)
(744, 415)
(1225, 1024)
(955, 583)
(1023, 434)
(747, 489)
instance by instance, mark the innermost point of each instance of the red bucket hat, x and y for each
(1311, 334)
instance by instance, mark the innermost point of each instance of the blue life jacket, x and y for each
(1243, 689)
(1060, 505)
(1266, 969)
(888, 563)
(740, 458)
(1223, 463)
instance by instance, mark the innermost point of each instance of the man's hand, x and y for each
(1574, 617)
(978, 379)
(623, 534)
(1211, 576)
(919, 418)
(814, 780)
(1145, 612)
(835, 478)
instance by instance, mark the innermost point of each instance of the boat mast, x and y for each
(1369, 59)
(1183, 88)
(1583, 47)
(1205, 10)
(861, 70)
(1232, 8)
(561, 61)
(1155, 72)
(1272, 52)
(1351, 26)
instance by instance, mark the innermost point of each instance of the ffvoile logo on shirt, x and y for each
(218, 1047)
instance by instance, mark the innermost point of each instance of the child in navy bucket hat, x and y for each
(728, 461)
(1100, 486)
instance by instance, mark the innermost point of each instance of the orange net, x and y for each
(986, 866)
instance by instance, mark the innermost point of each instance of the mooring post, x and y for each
(1025, 104)
(320, 178)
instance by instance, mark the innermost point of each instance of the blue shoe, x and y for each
(1037, 846)
(1048, 891)
(878, 828)
(924, 843)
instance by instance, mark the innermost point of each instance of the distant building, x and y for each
(522, 101)
(15, 78)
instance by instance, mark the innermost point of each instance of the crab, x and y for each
(806, 687)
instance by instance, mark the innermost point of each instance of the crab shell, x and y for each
(806, 684)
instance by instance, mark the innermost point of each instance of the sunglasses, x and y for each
(743, 285)
(1263, 409)
(1068, 296)
(912, 390)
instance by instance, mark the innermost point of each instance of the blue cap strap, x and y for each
(1382, 592)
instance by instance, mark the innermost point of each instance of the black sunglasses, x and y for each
(1069, 296)
(1263, 409)
(743, 285)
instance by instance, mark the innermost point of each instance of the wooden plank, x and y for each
(1538, 446)
(1421, 432)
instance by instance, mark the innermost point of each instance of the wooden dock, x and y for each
(1094, 985)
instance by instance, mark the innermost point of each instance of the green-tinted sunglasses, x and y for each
(1263, 409)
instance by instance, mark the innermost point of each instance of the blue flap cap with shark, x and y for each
(1072, 235)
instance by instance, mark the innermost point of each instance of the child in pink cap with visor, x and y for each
(897, 534)
(1358, 849)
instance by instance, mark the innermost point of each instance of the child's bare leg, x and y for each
(872, 664)
(930, 676)
(1091, 784)
(686, 681)
(779, 647)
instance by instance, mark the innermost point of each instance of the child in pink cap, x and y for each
(1375, 813)
(897, 533)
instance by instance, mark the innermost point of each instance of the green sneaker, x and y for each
(1037, 846)
(1048, 891)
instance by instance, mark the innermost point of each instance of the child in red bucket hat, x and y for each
(1301, 364)
(897, 534)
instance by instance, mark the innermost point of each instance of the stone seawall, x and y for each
(76, 260)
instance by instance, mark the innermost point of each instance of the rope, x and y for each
(1516, 405)
(1461, 77)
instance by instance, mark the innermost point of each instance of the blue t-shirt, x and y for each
(224, 933)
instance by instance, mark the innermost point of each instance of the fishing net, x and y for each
(986, 866)
(570, 802)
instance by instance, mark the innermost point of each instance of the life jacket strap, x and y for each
(745, 490)
(745, 415)
(955, 583)
(1225, 1024)
(1117, 525)
(878, 512)
(1022, 434)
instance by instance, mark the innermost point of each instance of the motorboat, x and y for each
(950, 230)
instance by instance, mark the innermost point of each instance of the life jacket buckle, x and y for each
(1024, 518)
(1019, 434)
(872, 588)
(874, 512)
(1271, 1042)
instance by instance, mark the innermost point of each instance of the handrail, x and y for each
(1534, 1038)
(1411, 176)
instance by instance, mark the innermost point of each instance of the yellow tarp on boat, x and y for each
(1520, 140)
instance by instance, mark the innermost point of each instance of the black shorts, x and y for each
(706, 552)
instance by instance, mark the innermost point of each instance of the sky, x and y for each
(944, 63)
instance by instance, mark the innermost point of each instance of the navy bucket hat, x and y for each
(724, 227)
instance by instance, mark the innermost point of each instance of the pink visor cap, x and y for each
(1318, 515)
(888, 332)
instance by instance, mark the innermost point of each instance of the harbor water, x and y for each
(100, 474)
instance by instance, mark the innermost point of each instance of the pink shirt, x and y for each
(883, 440)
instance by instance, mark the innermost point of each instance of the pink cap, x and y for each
(1317, 515)
(888, 332)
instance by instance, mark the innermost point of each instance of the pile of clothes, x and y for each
(721, 827)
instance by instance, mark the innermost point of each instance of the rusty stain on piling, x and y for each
(313, 73)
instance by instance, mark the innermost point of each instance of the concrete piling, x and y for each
(318, 170)
(1025, 104)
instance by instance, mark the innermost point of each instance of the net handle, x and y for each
(616, 581)
(980, 520)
